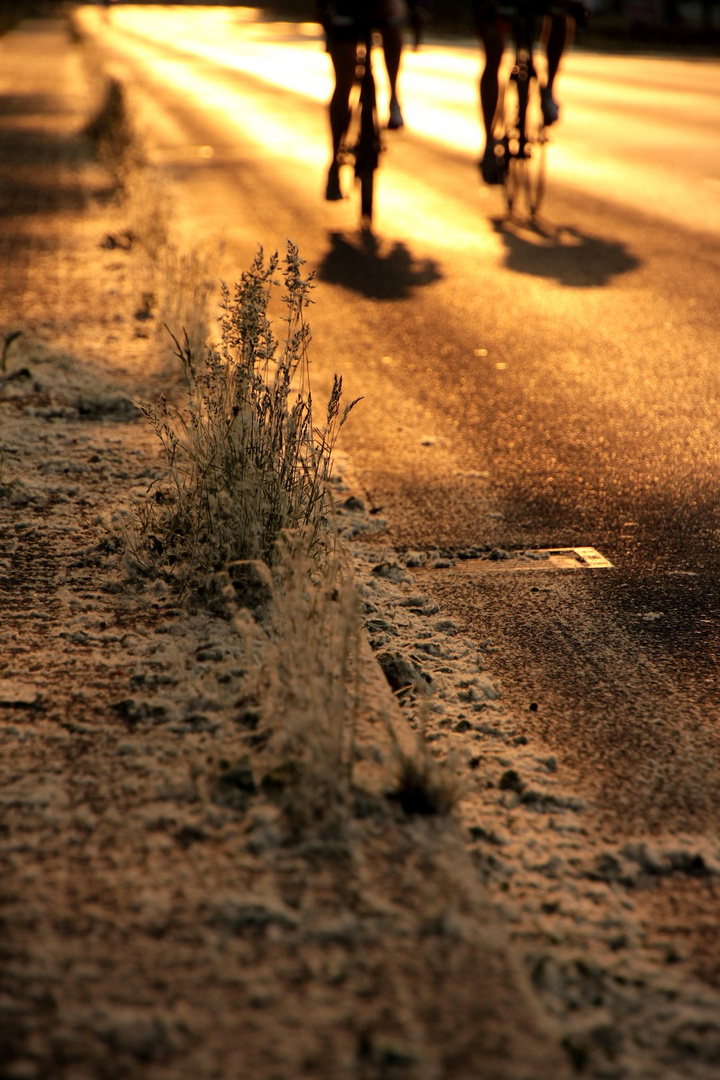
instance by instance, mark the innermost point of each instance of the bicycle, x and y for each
(362, 145)
(522, 139)
(522, 142)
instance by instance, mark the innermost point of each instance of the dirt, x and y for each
(159, 917)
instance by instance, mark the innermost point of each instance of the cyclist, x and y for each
(493, 19)
(345, 22)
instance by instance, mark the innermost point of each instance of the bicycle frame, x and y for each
(364, 147)
(523, 142)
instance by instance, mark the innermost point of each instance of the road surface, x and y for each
(546, 388)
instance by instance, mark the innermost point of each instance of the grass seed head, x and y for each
(245, 463)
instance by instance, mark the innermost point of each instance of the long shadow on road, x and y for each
(562, 253)
(375, 269)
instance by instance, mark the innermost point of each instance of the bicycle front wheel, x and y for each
(524, 145)
(534, 179)
(368, 148)
(367, 187)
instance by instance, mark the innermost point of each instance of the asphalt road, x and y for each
(522, 388)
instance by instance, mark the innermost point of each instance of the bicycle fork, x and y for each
(522, 72)
(367, 149)
(524, 141)
(368, 146)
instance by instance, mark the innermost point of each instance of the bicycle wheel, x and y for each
(367, 151)
(523, 143)
(534, 178)
(367, 185)
(506, 141)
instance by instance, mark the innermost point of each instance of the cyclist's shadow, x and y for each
(375, 269)
(562, 253)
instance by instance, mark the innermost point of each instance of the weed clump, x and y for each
(112, 131)
(309, 656)
(423, 786)
(245, 463)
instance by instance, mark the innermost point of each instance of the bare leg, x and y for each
(342, 54)
(493, 42)
(392, 50)
(555, 34)
(555, 45)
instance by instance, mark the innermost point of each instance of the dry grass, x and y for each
(423, 785)
(308, 666)
(8, 339)
(114, 135)
(175, 286)
(242, 507)
(245, 462)
(185, 287)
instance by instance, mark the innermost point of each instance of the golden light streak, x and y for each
(631, 154)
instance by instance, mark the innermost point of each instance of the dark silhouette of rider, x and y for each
(493, 20)
(346, 22)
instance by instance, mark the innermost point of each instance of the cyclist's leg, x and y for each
(392, 50)
(392, 17)
(492, 36)
(342, 54)
(555, 33)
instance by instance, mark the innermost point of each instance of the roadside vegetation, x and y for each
(241, 517)
(247, 467)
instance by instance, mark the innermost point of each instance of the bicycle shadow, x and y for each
(562, 253)
(375, 268)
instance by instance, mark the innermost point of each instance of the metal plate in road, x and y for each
(579, 558)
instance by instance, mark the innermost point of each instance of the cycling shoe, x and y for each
(491, 167)
(396, 117)
(550, 107)
(333, 192)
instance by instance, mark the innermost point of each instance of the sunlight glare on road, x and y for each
(622, 123)
(440, 85)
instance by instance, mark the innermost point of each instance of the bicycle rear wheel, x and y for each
(524, 146)
(367, 151)
(367, 187)
(535, 165)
